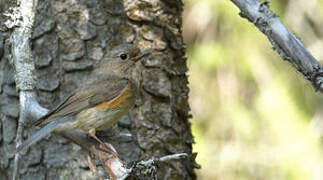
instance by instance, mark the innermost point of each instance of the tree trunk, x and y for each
(69, 38)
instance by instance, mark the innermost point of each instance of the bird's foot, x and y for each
(103, 145)
(90, 160)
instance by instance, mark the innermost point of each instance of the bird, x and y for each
(99, 102)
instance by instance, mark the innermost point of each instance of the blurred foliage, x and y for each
(254, 115)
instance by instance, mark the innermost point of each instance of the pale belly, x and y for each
(92, 118)
(100, 119)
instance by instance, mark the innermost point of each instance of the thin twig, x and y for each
(286, 44)
(149, 167)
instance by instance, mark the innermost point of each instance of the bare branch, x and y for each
(24, 65)
(149, 167)
(286, 44)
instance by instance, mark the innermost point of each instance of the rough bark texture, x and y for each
(69, 38)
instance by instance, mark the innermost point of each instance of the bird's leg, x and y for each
(92, 134)
(90, 160)
(106, 147)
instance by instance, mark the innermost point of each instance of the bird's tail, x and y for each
(38, 136)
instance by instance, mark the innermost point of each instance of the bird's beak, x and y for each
(141, 55)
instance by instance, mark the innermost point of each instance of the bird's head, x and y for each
(121, 60)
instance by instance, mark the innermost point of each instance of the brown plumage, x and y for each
(104, 99)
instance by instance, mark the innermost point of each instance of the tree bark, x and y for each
(69, 38)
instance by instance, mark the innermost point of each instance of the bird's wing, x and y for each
(87, 96)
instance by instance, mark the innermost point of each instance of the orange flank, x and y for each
(116, 102)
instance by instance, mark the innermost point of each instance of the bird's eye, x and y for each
(123, 56)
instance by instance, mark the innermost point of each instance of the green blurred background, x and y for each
(254, 116)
